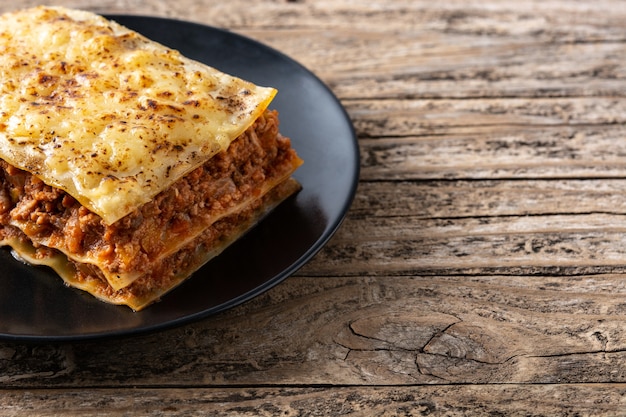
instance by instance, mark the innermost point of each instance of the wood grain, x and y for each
(357, 331)
(482, 267)
(509, 400)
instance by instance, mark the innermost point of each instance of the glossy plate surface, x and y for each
(36, 306)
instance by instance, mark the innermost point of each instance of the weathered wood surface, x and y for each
(499, 400)
(482, 267)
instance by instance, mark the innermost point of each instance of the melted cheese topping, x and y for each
(107, 115)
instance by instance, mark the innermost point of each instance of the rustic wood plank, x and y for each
(485, 227)
(443, 199)
(416, 64)
(535, 251)
(517, 138)
(573, 244)
(391, 118)
(364, 331)
(510, 400)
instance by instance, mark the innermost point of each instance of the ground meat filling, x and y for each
(50, 216)
(172, 269)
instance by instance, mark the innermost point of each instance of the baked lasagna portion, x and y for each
(125, 166)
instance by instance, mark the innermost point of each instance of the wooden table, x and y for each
(482, 266)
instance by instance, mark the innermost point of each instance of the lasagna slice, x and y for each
(125, 166)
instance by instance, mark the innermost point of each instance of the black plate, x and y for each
(36, 306)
